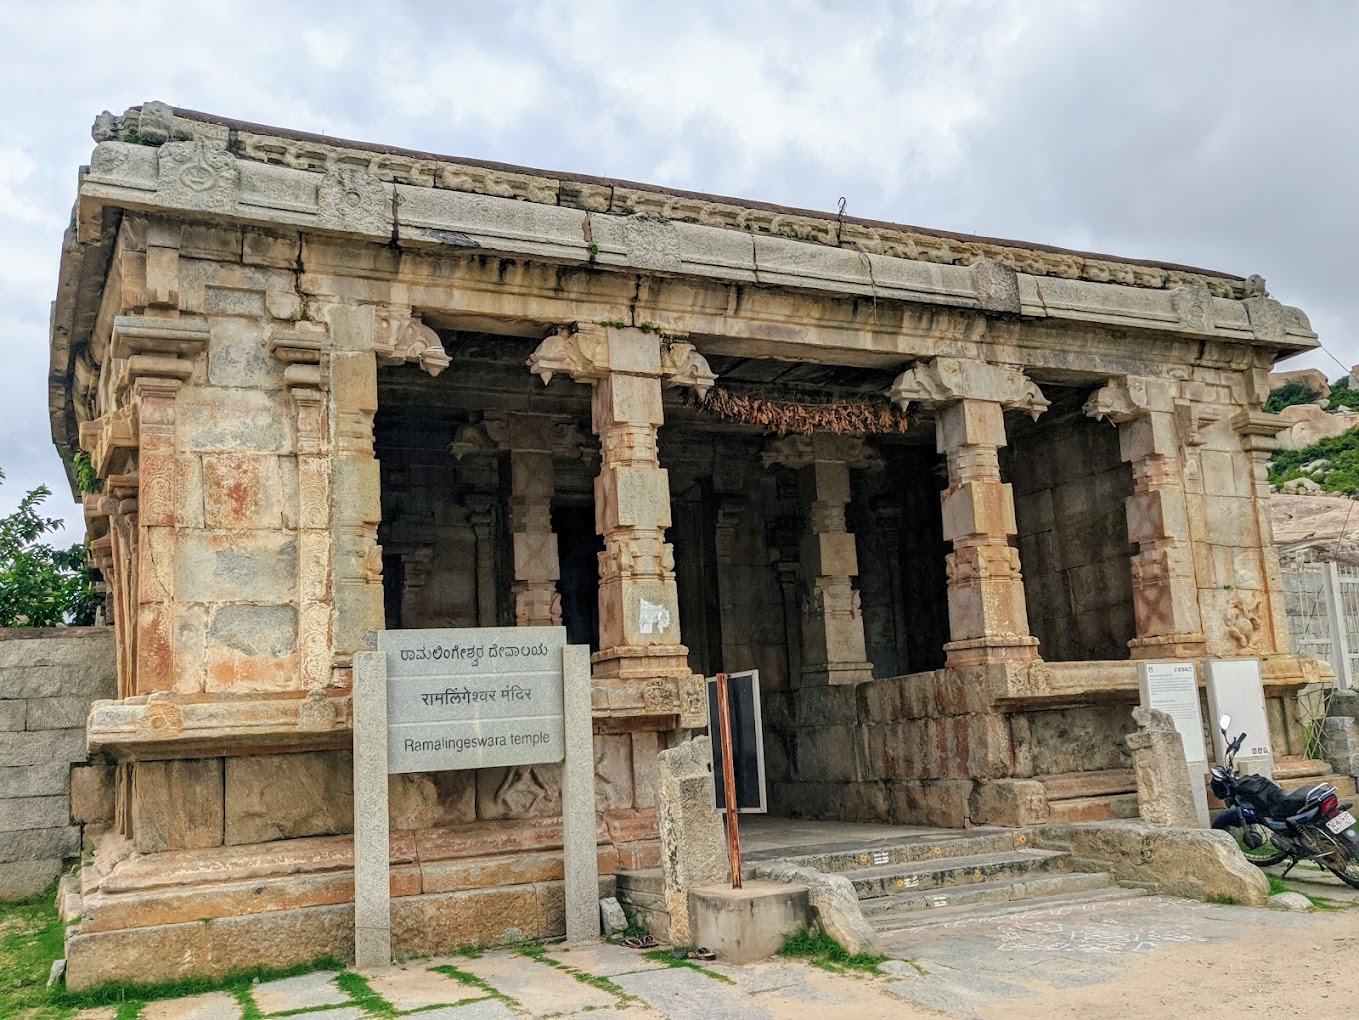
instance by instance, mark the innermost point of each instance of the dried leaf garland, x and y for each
(803, 417)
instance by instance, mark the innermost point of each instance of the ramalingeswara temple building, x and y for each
(943, 491)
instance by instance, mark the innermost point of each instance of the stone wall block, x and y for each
(33, 813)
(1010, 802)
(944, 803)
(57, 713)
(242, 491)
(285, 796)
(237, 566)
(42, 747)
(87, 648)
(92, 792)
(693, 842)
(177, 805)
(46, 779)
(13, 716)
(54, 843)
(232, 421)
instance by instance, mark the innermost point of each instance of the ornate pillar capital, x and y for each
(949, 380)
(588, 352)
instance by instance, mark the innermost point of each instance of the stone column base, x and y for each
(1169, 646)
(640, 662)
(991, 648)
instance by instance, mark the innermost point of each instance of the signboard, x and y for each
(465, 699)
(1235, 689)
(432, 700)
(1173, 688)
(747, 741)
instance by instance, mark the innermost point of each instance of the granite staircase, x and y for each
(918, 883)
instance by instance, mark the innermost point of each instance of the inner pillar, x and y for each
(988, 616)
(833, 647)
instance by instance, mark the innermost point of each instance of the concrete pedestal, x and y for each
(747, 924)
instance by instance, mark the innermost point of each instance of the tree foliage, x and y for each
(1342, 397)
(1292, 392)
(41, 586)
(1339, 471)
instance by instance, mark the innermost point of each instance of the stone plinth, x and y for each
(747, 924)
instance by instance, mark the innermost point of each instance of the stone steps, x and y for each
(845, 858)
(1290, 767)
(886, 911)
(1071, 890)
(951, 872)
(1094, 809)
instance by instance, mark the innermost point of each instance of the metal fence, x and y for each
(1322, 602)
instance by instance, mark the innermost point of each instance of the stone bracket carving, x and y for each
(1258, 430)
(947, 380)
(154, 348)
(580, 351)
(682, 365)
(399, 339)
(304, 356)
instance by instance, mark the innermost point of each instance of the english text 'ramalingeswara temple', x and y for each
(941, 490)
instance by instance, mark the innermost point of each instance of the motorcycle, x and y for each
(1271, 826)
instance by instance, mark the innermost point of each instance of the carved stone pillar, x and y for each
(1258, 431)
(157, 357)
(1151, 432)
(639, 631)
(532, 442)
(988, 617)
(306, 368)
(481, 514)
(833, 650)
(363, 338)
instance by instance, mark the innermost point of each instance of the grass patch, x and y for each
(32, 936)
(358, 989)
(1224, 901)
(472, 981)
(537, 951)
(667, 957)
(820, 950)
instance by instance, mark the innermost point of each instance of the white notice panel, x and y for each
(1235, 689)
(1173, 688)
(466, 699)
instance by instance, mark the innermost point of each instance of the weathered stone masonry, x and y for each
(332, 387)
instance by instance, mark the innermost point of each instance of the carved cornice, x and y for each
(947, 380)
(400, 338)
(1129, 397)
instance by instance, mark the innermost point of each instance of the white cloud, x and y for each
(1218, 133)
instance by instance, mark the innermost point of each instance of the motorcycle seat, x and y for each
(1297, 801)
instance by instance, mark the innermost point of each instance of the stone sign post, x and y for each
(1173, 688)
(433, 700)
(1235, 689)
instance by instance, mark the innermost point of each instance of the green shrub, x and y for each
(41, 586)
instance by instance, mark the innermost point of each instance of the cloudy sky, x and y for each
(1219, 133)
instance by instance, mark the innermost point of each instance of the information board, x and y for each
(1173, 688)
(432, 700)
(747, 741)
(465, 699)
(1235, 689)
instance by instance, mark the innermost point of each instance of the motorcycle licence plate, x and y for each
(1340, 822)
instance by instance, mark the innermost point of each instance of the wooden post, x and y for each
(729, 782)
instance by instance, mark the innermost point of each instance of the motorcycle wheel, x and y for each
(1263, 855)
(1344, 863)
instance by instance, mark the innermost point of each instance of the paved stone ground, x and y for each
(1024, 963)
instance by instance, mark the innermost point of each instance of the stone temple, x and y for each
(941, 490)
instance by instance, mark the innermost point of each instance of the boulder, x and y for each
(833, 902)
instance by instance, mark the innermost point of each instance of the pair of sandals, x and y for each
(647, 942)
